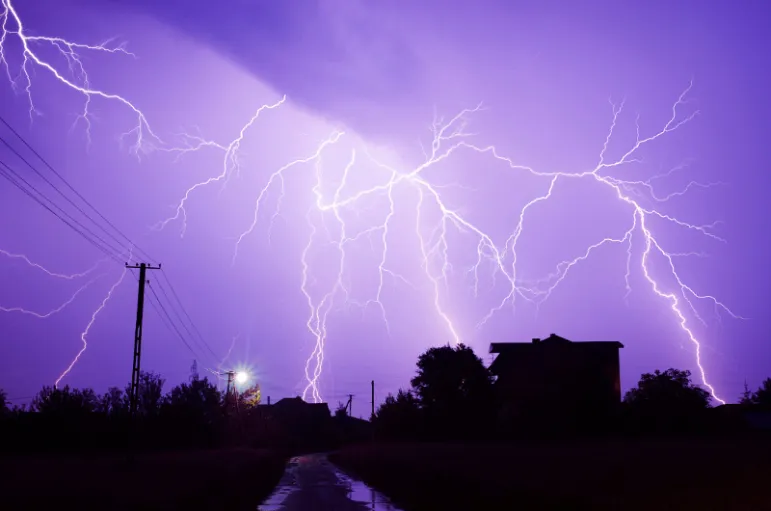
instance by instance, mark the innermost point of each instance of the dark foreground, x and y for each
(311, 483)
(629, 475)
(218, 479)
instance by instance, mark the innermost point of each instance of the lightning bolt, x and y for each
(230, 162)
(44, 315)
(71, 276)
(84, 334)
(448, 138)
(74, 77)
(64, 276)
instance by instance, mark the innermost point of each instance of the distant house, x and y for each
(294, 409)
(306, 425)
(556, 379)
(298, 416)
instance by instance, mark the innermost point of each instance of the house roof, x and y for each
(298, 401)
(553, 340)
(513, 349)
(295, 404)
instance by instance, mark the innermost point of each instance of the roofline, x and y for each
(499, 347)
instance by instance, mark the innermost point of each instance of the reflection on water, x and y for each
(286, 486)
(358, 491)
(312, 482)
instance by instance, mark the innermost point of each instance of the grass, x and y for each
(217, 479)
(622, 474)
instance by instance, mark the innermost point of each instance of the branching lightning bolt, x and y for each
(230, 162)
(44, 315)
(70, 276)
(63, 276)
(74, 77)
(448, 138)
(84, 334)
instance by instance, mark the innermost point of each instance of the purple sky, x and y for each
(549, 79)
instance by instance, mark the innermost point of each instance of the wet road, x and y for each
(312, 483)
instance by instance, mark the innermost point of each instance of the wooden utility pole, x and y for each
(372, 417)
(349, 405)
(134, 394)
(231, 385)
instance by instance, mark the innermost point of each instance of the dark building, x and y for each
(556, 381)
(298, 424)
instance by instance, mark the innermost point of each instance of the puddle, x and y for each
(359, 491)
(286, 486)
(312, 482)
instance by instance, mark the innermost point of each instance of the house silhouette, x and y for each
(300, 424)
(555, 382)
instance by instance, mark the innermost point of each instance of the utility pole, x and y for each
(372, 417)
(231, 385)
(231, 394)
(133, 396)
(349, 405)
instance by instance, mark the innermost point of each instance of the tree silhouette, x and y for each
(399, 416)
(669, 390)
(449, 377)
(193, 413)
(746, 398)
(761, 397)
(149, 393)
(65, 401)
(454, 388)
(113, 402)
(341, 410)
(199, 399)
(666, 401)
(3, 402)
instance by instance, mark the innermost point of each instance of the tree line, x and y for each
(452, 397)
(192, 414)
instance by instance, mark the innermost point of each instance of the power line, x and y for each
(174, 310)
(40, 174)
(163, 315)
(78, 194)
(184, 311)
(110, 252)
(84, 228)
(171, 322)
